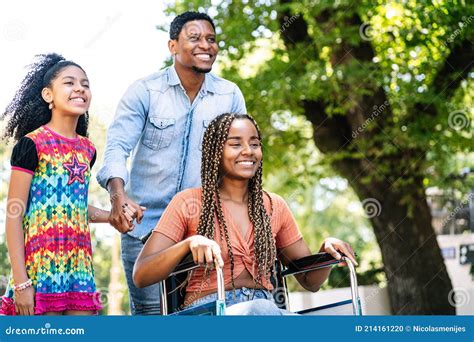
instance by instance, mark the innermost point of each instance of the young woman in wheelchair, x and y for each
(233, 221)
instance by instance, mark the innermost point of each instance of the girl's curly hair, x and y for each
(27, 110)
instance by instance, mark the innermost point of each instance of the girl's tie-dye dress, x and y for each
(58, 254)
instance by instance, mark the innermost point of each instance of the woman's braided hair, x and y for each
(211, 175)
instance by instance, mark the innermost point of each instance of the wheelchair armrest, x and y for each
(310, 263)
(185, 265)
(145, 237)
(177, 277)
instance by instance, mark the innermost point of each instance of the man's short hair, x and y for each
(178, 22)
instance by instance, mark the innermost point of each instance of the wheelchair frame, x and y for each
(310, 263)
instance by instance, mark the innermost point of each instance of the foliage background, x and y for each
(410, 40)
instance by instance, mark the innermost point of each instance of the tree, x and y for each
(384, 89)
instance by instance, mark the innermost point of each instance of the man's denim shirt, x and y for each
(156, 122)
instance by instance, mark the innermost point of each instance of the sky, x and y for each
(116, 42)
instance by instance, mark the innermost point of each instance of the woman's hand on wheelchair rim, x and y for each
(335, 247)
(205, 251)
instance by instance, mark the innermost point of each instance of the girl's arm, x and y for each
(97, 215)
(17, 199)
(313, 280)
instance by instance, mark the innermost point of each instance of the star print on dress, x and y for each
(76, 170)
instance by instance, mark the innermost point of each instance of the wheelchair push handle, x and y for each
(356, 308)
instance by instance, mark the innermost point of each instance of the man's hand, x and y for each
(124, 210)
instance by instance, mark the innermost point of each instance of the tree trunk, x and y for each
(418, 282)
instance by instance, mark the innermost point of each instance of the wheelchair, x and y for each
(172, 288)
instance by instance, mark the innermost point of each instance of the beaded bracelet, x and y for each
(22, 286)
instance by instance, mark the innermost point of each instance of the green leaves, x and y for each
(374, 74)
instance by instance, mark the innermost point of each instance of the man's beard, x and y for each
(201, 71)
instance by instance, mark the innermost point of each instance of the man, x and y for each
(162, 119)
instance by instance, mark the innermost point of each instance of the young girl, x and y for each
(239, 224)
(47, 213)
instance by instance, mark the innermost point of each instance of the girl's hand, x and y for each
(124, 212)
(25, 302)
(205, 250)
(132, 211)
(333, 246)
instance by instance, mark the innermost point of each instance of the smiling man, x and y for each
(162, 119)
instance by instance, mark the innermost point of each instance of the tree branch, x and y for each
(456, 67)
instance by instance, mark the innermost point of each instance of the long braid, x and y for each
(223, 230)
(212, 151)
(223, 224)
(265, 248)
(213, 148)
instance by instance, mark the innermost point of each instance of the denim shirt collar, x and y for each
(173, 80)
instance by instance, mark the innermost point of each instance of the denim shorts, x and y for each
(243, 294)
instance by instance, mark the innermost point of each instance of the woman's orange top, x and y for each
(180, 220)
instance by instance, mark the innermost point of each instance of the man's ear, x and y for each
(47, 94)
(173, 46)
